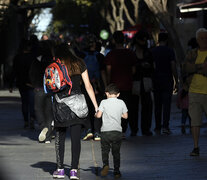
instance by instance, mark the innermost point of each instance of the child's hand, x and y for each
(125, 115)
(98, 114)
(95, 115)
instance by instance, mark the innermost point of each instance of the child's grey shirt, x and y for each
(112, 109)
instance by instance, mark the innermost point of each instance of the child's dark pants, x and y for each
(111, 140)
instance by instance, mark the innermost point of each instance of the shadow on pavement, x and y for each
(10, 98)
(31, 134)
(46, 166)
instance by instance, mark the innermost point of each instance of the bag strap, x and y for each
(66, 76)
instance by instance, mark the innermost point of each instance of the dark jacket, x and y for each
(37, 71)
(21, 67)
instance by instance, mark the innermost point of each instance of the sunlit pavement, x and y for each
(142, 158)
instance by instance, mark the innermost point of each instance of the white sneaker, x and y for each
(42, 135)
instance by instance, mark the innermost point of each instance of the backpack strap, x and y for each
(65, 74)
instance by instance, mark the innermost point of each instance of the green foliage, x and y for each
(69, 13)
(75, 13)
(57, 26)
(83, 2)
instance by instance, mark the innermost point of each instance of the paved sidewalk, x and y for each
(143, 158)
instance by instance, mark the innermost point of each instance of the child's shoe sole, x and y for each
(105, 171)
(97, 139)
(117, 176)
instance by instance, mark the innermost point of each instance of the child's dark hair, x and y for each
(112, 89)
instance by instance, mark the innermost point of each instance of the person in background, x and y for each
(144, 71)
(44, 37)
(111, 110)
(165, 80)
(195, 67)
(43, 101)
(20, 75)
(97, 77)
(120, 66)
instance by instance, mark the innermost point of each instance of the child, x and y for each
(113, 110)
(182, 103)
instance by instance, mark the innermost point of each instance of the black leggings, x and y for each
(75, 134)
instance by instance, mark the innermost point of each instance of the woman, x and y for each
(77, 71)
(144, 70)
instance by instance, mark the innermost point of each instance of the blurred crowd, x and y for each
(144, 71)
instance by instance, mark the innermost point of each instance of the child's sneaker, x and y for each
(59, 173)
(74, 174)
(97, 137)
(105, 170)
(117, 174)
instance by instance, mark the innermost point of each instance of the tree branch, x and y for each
(136, 7)
(113, 10)
(164, 2)
(128, 16)
(121, 21)
(110, 21)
